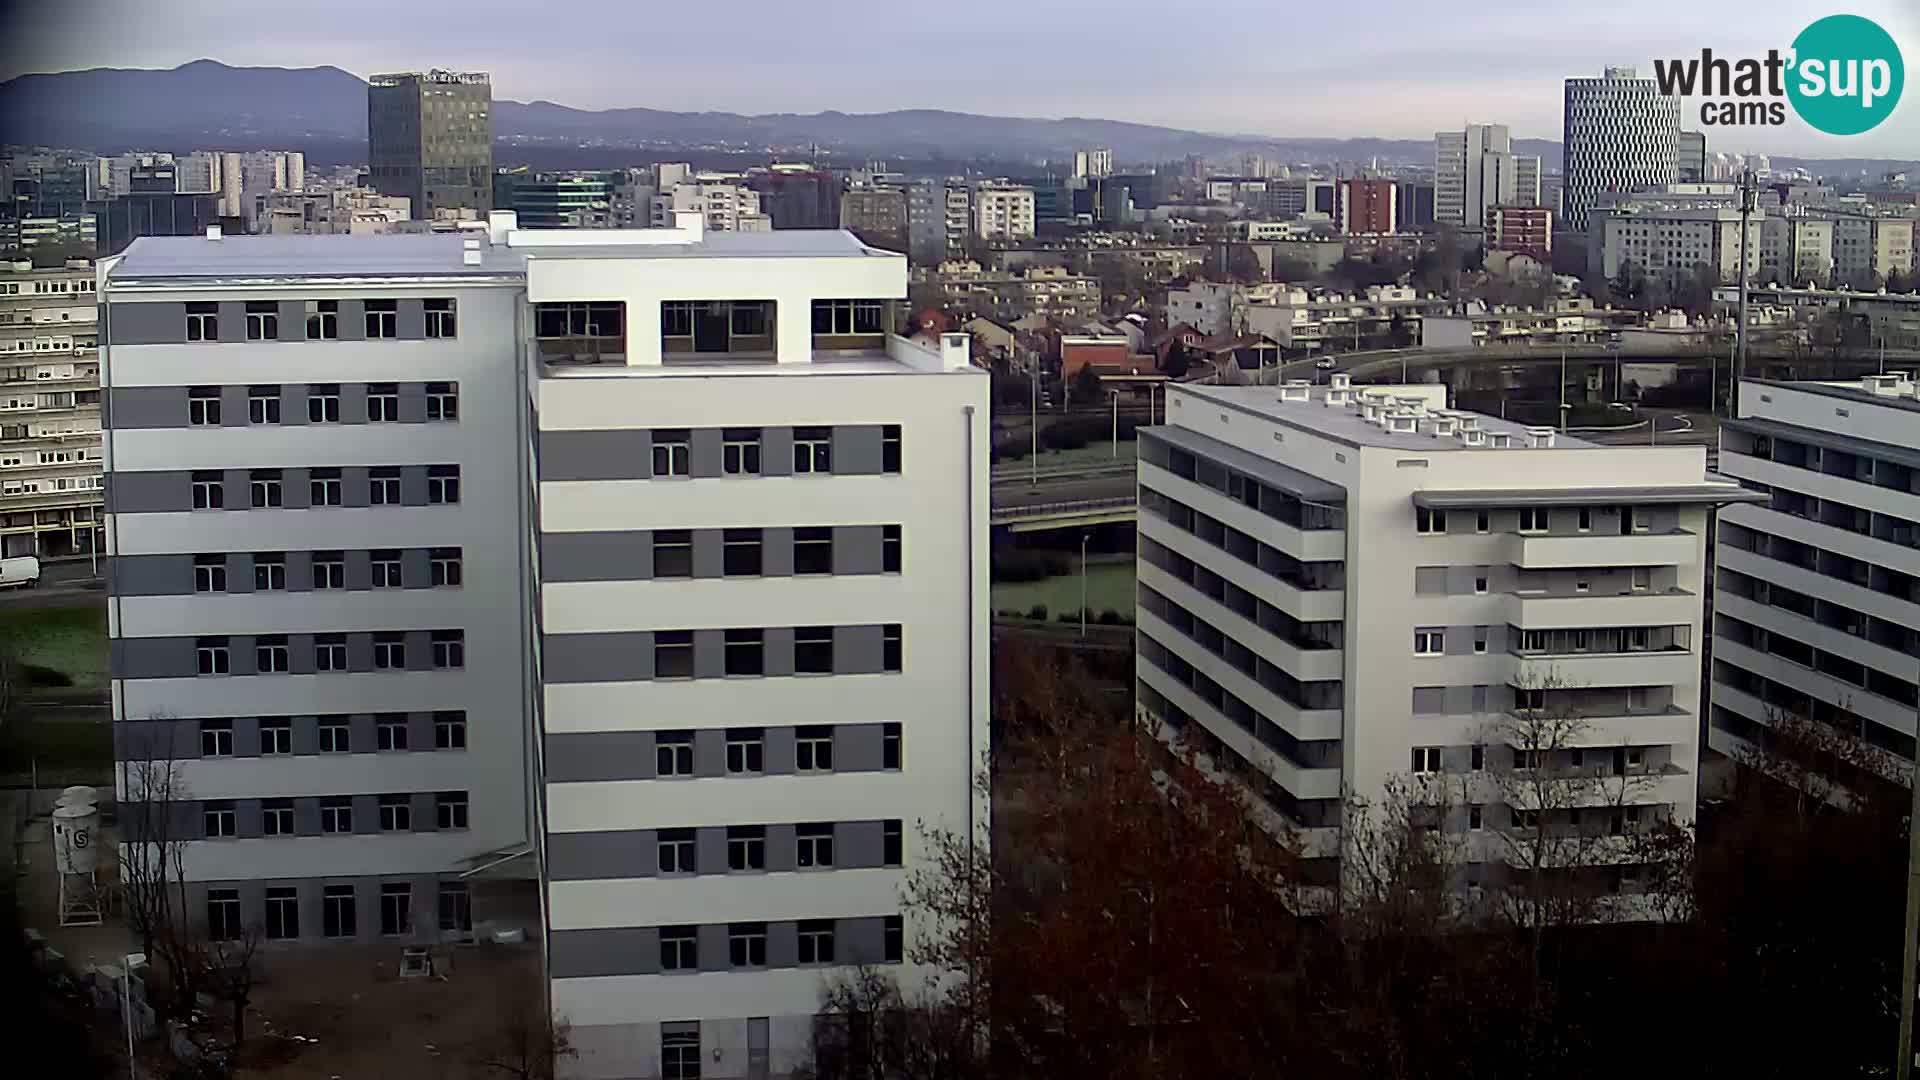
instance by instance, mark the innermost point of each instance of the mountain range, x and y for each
(322, 110)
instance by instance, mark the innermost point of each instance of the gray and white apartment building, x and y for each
(1817, 589)
(1345, 586)
(50, 470)
(717, 633)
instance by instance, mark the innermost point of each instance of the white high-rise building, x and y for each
(1817, 595)
(232, 187)
(197, 173)
(684, 667)
(724, 201)
(1621, 134)
(1476, 169)
(1002, 211)
(50, 461)
(1343, 586)
(1092, 164)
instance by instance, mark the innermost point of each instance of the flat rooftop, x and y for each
(1346, 422)
(1851, 391)
(401, 255)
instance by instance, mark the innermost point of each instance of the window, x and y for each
(890, 746)
(813, 749)
(671, 450)
(203, 406)
(440, 321)
(889, 549)
(383, 319)
(1479, 640)
(450, 810)
(443, 484)
(676, 319)
(269, 571)
(385, 566)
(324, 487)
(741, 556)
(449, 731)
(323, 320)
(263, 405)
(1528, 759)
(1582, 584)
(390, 651)
(323, 403)
(383, 403)
(203, 322)
(396, 907)
(813, 650)
(680, 1051)
(1585, 520)
(216, 738)
(892, 842)
(1428, 521)
(209, 573)
(449, 649)
(1534, 519)
(740, 451)
(271, 655)
(456, 908)
(1429, 642)
(672, 553)
(276, 735)
(890, 448)
(1480, 582)
(283, 913)
(842, 317)
(335, 735)
(746, 847)
(1426, 759)
(746, 652)
(443, 401)
(336, 815)
(676, 851)
(814, 846)
(263, 489)
(746, 751)
(673, 654)
(444, 567)
(223, 914)
(208, 491)
(1479, 757)
(210, 653)
(747, 945)
(813, 550)
(396, 813)
(337, 911)
(330, 652)
(1482, 521)
(890, 647)
(816, 941)
(1525, 819)
(1529, 698)
(673, 753)
(1637, 639)
(390, 731)
(1642, 579)
(1582, 640)
(1631, 521)
(1475, 816)
(383, 485)
(812, 450)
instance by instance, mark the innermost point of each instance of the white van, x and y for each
(23, 572)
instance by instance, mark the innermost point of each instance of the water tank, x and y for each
(76, 831)
(77, 795)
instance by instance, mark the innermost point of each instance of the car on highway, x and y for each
(1325, 363)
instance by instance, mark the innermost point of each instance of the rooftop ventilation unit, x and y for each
(1472, 437)
(1340, 380)
(1499, 439)
(1540, 438)
(1295, 390)
(1443, 426)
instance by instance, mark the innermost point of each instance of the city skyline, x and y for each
(1404, 76)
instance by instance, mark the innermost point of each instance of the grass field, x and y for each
(1109, 585)
(67, 639)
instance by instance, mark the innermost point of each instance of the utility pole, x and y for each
(1563, 387)
(1116, 422)
(1033, 423)
(1749, 200)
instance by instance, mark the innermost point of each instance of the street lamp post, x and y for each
(127, 964)
(1116, 422)
(1033, 421)
(1084, 537)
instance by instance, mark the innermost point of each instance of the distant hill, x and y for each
(210, 105)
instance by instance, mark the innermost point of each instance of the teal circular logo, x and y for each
(1846, 75)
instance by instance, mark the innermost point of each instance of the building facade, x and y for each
(1475, 169)
(1002, 211)
(1620, 134)
(430, 139)
(1368, 206)
(1344, 588)
(50, 458)
(1817, 595)
(724, 203)
(563, 202)
(1524, 229)
(877, 214)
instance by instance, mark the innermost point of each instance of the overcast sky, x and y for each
(1393, 68)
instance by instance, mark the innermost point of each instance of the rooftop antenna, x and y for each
(1749, 200)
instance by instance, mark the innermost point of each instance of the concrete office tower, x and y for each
(1003, 211)
(1340, 586)
(1690, 167)
(50, 464)
(751, 652)
(1817, 596)
(1476, 169)
(294, 168)
(430, 138)
(1621, 134)
(198, 174)
(232, 186)
(1093, 164)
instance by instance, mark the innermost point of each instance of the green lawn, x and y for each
(1109, 585)
(68, 639)
(1097, 453)
(57, 750)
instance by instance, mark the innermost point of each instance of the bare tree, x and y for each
(527, 1043)
(151, 875)
(230, 973)
(868, 1029)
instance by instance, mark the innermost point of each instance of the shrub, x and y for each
(46, 676)
(1016, 566)
(1038, 613)
(1111, 617)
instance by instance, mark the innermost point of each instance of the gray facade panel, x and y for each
(152, 575)
(776, 451)
(233, 403)
(306, 813)
(353, 322)
(139, 740)
(703, 453)
(856, 450)
(413, 485)
(246, 819)
(239, 572)
(856, 747)
(413, 400)
(358, 572)
(709, 654)
(779, 753)
(856, 549)
(356, 489)
(416, 568)
(363, 738)
(783, 945)
(776, 552)
(156, 658)
(857, 650)
(299, 571)
(145, 324)
(306, 735)
(293, 404)
(576, 954)
(419, 650)
(713, 947)
(246, 736)
(353, 396)
(859, 941)
(366, 811)
(296, 486)
(595, 455)
(293, 320)
(233, 321)
(411, 324)
(589, 856)
(591, 756)
(158, 492)
(779, 650)
(710, 752)
(859, 845)
(300, 654)
(580, 658)
(132, 407)
(596, 556)
(710, 850)
(709, 553)
(425, 816)
(239, 493)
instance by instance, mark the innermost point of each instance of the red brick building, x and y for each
(1368, 206)
(1524, 229)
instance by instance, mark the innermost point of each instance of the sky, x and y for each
(1386, 68)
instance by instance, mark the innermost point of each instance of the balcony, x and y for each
(1532, 611)
(1664, 667)
(1541, 551)
(706, 330)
